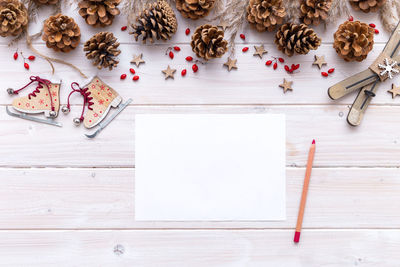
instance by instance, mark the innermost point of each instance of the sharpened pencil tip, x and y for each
(313, 141)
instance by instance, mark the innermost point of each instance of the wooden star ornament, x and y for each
(137, 60)
(320, 61)
(286, 85)
(169, 73)
(395, 91)
(260, 51)
(231, 64)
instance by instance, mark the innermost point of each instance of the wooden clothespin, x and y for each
(385, 66)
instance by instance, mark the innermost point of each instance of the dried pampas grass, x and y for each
(131, 8)
(390, 14)
(292, 10)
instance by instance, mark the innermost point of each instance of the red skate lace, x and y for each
(86, 97)
(40, 82)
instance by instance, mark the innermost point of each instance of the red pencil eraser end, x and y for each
(313, 141)
(296, 237)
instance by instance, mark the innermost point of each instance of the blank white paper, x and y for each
(212, 167)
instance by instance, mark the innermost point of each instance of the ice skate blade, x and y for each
(107, 121)
(30, 118)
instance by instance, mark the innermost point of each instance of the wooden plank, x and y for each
(200, 248)
(104, 198)
(252, 83)
(374, 143)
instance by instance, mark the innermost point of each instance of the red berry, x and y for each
(189, 58)
(135, 78)
(195, 68)
(26, 66)
(376, 31)
(187, 31)
(275, 66)
(245, 49)
(331, 70)
(123, 28)
(296, 66)
(132, 71)
(372, 25)
(269, 62)
(287, 68)
(31, 58)
(351, 18)
(183, 73)
(324, 74)
(123, 76)
(177, 48)
(15, 56)
(171, 54)
(281, 60)
(242, 36)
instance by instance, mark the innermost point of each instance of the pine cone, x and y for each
(367, 5)
(61, 33)
(265, 15)
(156, 21)
(296, 38)
(46, 2)
(13, 17)
(102, 48)
(194, 9)
(353, 40)
(99, 12)
(313, 11)
(208, 42)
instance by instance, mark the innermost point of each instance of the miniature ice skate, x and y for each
(44, 99)
(99, 98)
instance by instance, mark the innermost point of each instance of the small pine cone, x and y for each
(194, 9)
(265, 15)
(367, 5)
(296, 38)
(156, 21)
(13, 18)
(353, 40)
(208, 42)
(46, 2)
(61, 33)
(99, 12)
(102, 48)
(313, 11)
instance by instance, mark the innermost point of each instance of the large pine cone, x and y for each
(367, 5)
(99, 12)
(296, 38)
(13, 17)
(208, 42)
(156, 21)
(61, 33)
(46, 2)
(194, 9)
(353, 40)
(265, 15)
(313, 11)
(102, 48)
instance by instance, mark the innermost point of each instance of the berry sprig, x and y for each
(132, 71)
(275, 61)
(30, 58)
(170, 53)
(326, 74)
(292, 68)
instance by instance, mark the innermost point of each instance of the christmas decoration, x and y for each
(260, 51)
(13, 18)
(320, 61)
(61, 33)
(353, 40)
(223, 24)
(395, 91)
(286, 86)
(156, 21)
(169, 73)
(44, 99)
(46, 2)
(265, 15)
(208, 42)
(99, 12)
(315, 11)
(389, 68)
(390, 14)
(296, 38)
(231, 64)
(137, 60)
(367, 5)
(102, 48)
(194, 9)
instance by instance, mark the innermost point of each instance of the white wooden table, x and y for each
(69, 201)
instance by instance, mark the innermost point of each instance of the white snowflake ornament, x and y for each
(388, 68)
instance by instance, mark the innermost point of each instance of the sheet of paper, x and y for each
(212, 167)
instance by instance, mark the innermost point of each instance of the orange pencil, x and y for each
(304, 194)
